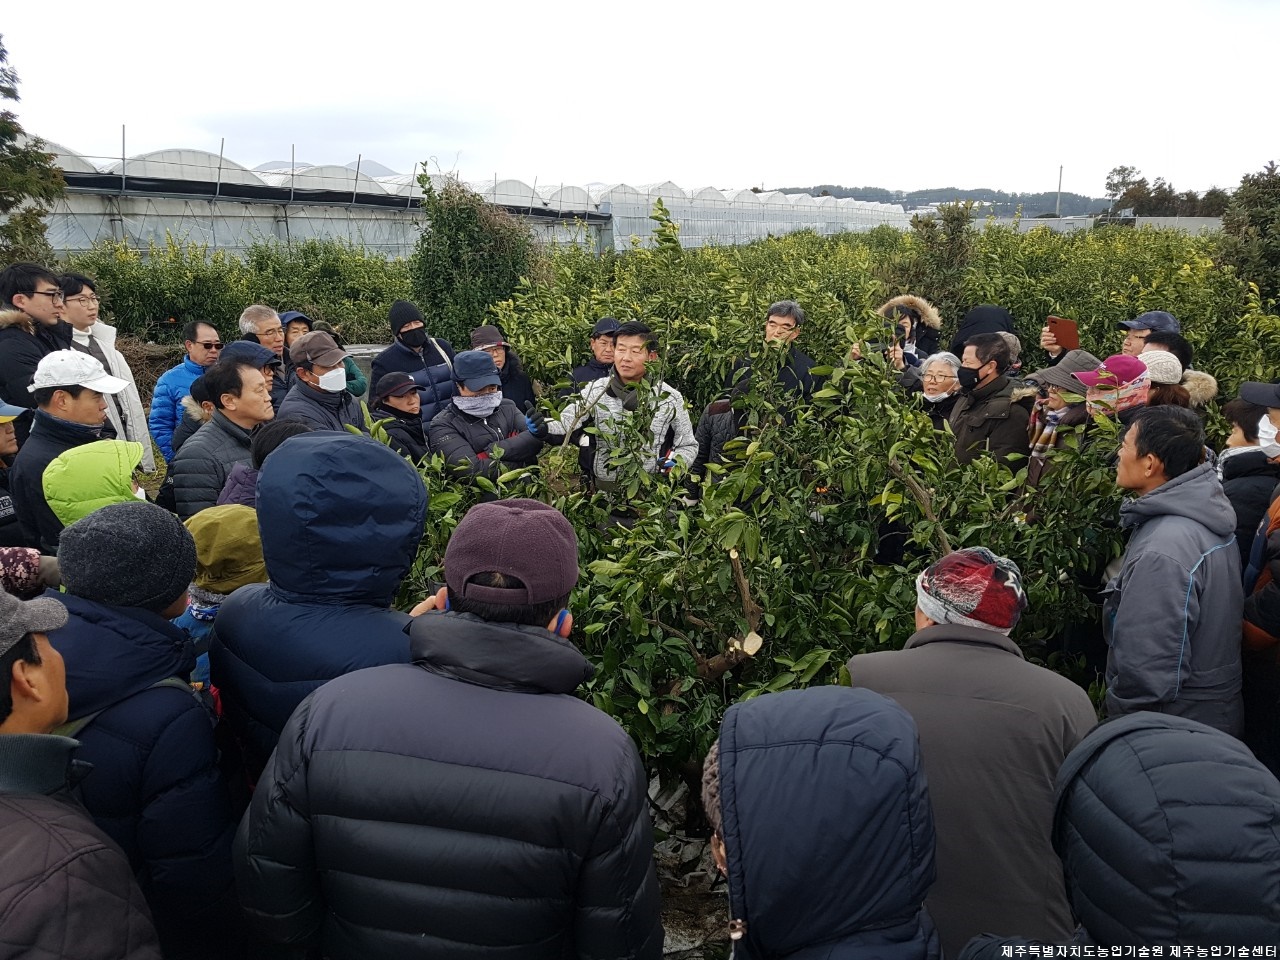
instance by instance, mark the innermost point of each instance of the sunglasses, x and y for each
(210, 344)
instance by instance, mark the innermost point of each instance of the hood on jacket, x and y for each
(827, 824)
(1169, 832)
(16, 318)
(929, 315)
(114, 652)
(1201, 386)
(192, 406)
(340, 517)
(1196, 495)
(87, 477)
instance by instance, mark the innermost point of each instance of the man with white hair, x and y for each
(994, 729)
(261, 324)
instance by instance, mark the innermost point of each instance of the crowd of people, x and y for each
(219, 738)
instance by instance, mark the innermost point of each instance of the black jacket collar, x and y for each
(502, 656)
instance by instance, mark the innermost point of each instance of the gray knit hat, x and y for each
(128, 555)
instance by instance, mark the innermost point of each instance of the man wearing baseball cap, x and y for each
(319, 395)
(994, 729)
(1135, 339)
(510, 816)
(70, 390)
(601, 362)
(397, 406)
(60, 872)
(480, 432)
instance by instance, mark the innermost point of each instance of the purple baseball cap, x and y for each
(525, 539)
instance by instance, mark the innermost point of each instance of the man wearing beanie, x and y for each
(156, 789)
(428, 360)
(510, 817)
(340, 518)
(60, 873)
(993, 730)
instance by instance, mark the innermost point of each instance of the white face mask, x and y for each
(1267, 437)
(936, 397)
(140, 493)
(335, 381)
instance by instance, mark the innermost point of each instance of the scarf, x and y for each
(1043, 428)
(480, 406)
(628, 393)
(1110, 402)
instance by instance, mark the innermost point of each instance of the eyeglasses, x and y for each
(84, 300)
(784, 327)
(495, 349)
(938, 377)
(273, 332)
(57, 296)
(209, 344)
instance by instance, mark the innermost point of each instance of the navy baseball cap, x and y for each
(475, 369)
(248, 352)
(1153, 320)
(1263, 394)
(604, 327)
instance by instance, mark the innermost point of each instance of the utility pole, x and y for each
(1057, 207)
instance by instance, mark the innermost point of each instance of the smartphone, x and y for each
(1066, 332)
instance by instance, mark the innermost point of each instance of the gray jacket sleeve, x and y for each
(686, 444)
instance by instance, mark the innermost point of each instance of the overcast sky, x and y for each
(896, 94)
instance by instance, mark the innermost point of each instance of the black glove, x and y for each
(536, 421)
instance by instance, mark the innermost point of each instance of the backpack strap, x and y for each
(441, 354)
(73, 727)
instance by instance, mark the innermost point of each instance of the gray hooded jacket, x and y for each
(1172, 615)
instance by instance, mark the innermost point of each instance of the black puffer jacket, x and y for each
(1248, 479)
(516, 385)
(50, 438)
(509, 819)
(199, 470)
(1169, 832)
(405, 431)
(470, 444)
(65, 889)
(827, 827)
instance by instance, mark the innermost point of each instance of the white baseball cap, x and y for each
(70, 368)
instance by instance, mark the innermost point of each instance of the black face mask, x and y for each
(969, 378)
(415, 339)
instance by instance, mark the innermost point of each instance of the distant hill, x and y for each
(1002, 204)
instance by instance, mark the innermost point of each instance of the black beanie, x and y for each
(128, 555)
(402, 312)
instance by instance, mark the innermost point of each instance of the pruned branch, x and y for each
(925, 500)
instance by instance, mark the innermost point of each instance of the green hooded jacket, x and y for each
(87, 477)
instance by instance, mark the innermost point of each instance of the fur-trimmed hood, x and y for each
(16, 318)
(929, 315)
(1201, 386)
(190, 405)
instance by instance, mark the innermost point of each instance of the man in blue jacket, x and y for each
(156, 788)
(340, 518)
(203, 347)
(428, 360)
(466, 804)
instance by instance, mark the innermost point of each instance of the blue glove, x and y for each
(535, 421)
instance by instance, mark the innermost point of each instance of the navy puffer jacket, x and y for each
(1169, 832)
(431, 370)
(827, 825)
(340, 518)
(155, 788)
